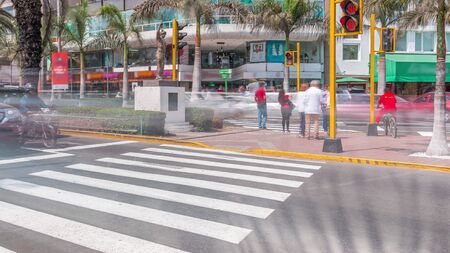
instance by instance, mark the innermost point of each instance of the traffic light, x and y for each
(351, 20)
(388, 40)
(289, 58)
(176, 45)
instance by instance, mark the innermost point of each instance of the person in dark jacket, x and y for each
(31, 102)
(286, 109)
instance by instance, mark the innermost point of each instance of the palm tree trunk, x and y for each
(28, 18)
(438, 145)
(125, 78)
(82, 75)
(381, 73)
(286, 68)
(196, 75)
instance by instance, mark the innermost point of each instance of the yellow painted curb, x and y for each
(275, 153)
(147, 139)
(353, 160)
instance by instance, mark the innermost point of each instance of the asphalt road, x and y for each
(98, 195)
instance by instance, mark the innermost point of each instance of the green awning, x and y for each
(351, 80)
(411, 68)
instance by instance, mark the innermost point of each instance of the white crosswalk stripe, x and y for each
(3, 250)
(216, 203)
(78, 233)
(217, 164)
(227, 152)
(211, 185)
(181, 222)
(238, 159)
(228, 206)
(214, 173)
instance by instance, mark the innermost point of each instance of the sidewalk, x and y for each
(356, 145)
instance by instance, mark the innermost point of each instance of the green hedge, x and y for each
(200, 118)
(111, 119)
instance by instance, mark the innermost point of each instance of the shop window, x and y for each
(418, 42)
(447, 41)
(350, 52)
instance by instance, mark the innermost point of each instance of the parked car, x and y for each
(11, 95)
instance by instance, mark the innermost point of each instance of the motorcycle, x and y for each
(39, 126)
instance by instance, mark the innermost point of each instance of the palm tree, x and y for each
(434, 12)
(284, 17)
(120, 30)
(6, 21)
(29, 23)
(76, 31)
(387, 13)
(202, 11)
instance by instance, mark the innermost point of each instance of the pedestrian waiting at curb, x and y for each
(313, 110)
(286, 109)
(261, 102)
(325, 103)
(301, 108)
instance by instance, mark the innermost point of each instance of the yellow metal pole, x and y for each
(174, 48)
(298, 66)
(332, 40)
(372, 69)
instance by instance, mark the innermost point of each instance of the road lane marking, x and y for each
(3, 250)
(213, 173)
(205, 202)
(425, 134)
(101, 145)
(210, 185)
(215, 164)
(227, 152)
(238, 159)
(33, 158)
(78, 233)
(185, 223)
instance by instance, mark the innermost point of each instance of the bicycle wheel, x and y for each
(49, 137)
(393, 127)
(386, 125)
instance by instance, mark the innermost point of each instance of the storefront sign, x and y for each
(258, 52)
(60, 71)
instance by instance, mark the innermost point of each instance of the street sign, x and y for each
(225, 74)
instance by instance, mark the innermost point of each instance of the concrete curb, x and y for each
(274, 153)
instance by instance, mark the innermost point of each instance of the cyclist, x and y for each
(30, 103)
(389, 103)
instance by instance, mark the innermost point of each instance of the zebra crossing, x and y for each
(221, 186)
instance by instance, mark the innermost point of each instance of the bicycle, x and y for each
(390, 124)
(41, 126)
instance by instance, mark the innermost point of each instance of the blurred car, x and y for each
(358, 108)
(11, 95)
(10, 119)
(424, 105)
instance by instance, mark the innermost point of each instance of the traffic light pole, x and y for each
(332, 144)
(372, 131)
(298, 66)
(174, 48)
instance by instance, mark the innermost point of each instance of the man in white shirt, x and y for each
(301, 108)
(312, 103)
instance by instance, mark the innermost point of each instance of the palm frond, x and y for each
(149, 8)
(236, 9)
(423, 13)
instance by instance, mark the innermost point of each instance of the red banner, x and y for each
(60, 70)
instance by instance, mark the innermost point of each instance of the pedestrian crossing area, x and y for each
(195, 194)
(276, 126)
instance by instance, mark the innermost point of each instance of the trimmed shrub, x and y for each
(200, 118)
(121, 120)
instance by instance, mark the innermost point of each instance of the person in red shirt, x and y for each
(389, 103)
(260, 99)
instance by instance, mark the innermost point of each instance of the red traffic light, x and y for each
(350, 7)
(289, 59)
(349, 23)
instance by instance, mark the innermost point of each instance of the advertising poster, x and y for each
(60, 71)
(258, 52)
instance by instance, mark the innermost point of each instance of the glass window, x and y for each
(401, 42)
(428, 41)
(418, 42)
(350, 52)
(447, 41)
